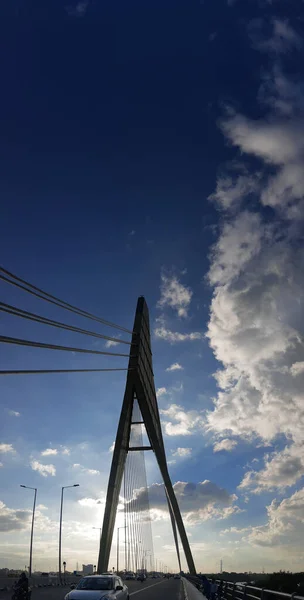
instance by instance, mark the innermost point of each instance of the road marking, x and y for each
(145, 588)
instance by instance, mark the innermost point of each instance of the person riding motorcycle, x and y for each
(22, 588)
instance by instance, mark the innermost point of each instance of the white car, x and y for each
(99, 587)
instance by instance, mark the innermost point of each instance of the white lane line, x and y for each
(185, 589)
(146, 588)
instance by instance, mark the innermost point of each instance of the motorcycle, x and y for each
(21, 594)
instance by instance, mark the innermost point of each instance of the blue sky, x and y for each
(157, 149)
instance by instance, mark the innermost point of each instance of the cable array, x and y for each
(24, 314)
(39, 293)
(139, 554)
(19, 342)
(28, 287)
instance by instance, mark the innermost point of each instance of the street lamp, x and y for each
(100, 529)
(32, 530)
(60, 525)
(117, 549)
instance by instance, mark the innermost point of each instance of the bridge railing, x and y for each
(239, 591)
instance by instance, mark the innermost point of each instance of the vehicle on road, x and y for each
(141, 577)
(130, 576)
(177, 576)
(99, 587)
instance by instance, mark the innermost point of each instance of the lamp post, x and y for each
(117, 549)
(32, 529)
(60, 526)
(100, 529)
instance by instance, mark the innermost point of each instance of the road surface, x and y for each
(151, 589)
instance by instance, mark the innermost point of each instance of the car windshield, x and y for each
(95, 583)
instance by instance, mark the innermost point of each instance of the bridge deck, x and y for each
(164, 589)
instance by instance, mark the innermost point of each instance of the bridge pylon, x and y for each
(140, 387)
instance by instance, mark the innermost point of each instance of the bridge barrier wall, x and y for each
(190, 591)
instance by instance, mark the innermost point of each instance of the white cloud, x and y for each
(239, 242)
(66, 451)
(231, 191)
(174, 336)
(282, 39)
(274, 141)
(179, 422)
(282, 95)
(12, 519)
(182, 452)
(175, 295)
(297, 368)
(162, 391)
(285, 524)
(111, 343)
(91, 502)
(175, 367)
(256, 317)
(197, 501)
(281, 470)
(78, 10)
(5, 448)
(44, 470)
(225, 444)
(235, 530)
(14, 413)
(85, 470)
(111, 449)
(1, 465)
(49, 452)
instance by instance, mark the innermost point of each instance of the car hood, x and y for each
(88, 594)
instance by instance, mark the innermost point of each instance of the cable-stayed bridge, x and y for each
(139, 431)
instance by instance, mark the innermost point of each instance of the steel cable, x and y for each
(36, 371)
(39, 293)
(24, 314)
(20, 342)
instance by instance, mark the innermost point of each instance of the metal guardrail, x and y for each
(239, 591)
